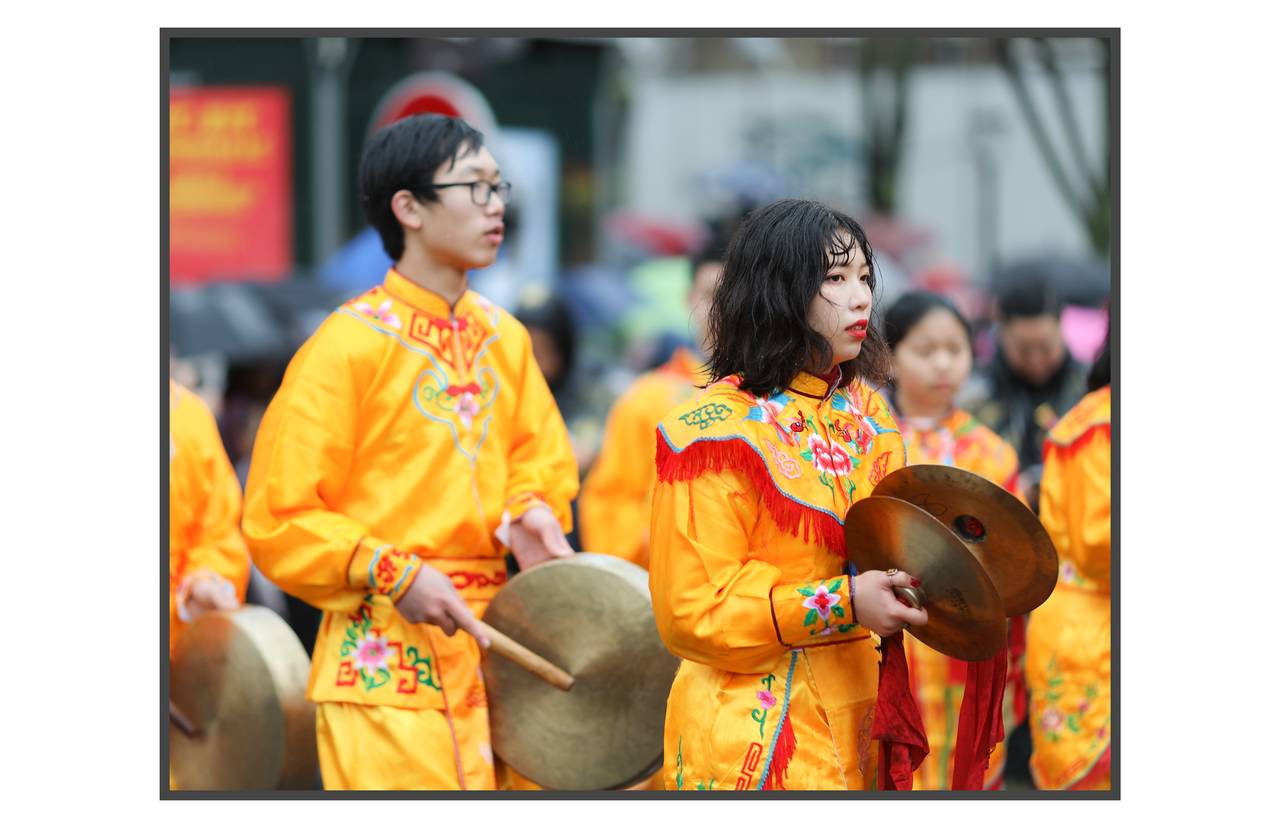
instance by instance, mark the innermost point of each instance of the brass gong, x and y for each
(238, 680)
(592, 616)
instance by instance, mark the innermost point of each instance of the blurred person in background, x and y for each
(208, 561)
(614, 505)
(747, 550)
(553, 334)
(1069, 636)
(1032, 380)
(932, 345)
(413, 442)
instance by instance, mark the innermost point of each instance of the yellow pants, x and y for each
(370, 748)
(366, 747)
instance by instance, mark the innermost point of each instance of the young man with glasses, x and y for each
(412, 444)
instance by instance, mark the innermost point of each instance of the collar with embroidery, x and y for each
(810, 457)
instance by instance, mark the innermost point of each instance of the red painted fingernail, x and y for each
(915, 582)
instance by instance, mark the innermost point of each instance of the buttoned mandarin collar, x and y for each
(420, 298)
(814, 386)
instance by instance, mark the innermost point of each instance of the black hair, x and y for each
(554, 316)
(775, 265)
(911, 307)
(405, 156)
(1028, 295)
(1100, 371)
(715, 242)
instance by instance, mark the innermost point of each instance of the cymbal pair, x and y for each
(980, 554)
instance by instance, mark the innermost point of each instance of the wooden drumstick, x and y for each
(526, 658)
(182, 721)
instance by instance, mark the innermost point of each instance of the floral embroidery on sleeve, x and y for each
(816, 612)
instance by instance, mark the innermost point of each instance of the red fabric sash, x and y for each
(981, 725)
(897, 723)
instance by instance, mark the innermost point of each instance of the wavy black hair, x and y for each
(774, 266)
(405, 156)
(910, 308)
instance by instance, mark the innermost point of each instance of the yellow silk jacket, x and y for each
(747, 569)
(937, 681)
(1069, 636)
(204, 505)
(614, 509)
(406, 433)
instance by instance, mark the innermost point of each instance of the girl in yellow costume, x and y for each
(1069, 636)
(932, 350)
(750, 585)
(412, 443)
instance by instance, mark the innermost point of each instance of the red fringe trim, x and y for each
(782, 753)
(791, 516)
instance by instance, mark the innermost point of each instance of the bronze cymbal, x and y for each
(590, 615)
(966, 615)
(1002, 533)
(241, 678)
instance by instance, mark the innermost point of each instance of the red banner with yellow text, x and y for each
(230, 161)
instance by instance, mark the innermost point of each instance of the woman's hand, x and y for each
(878, 609)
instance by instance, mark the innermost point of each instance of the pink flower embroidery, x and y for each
(769, 413)
(371, 653)
(767, 699)
(1052, 720)
(822, 601)
(467, 408)
(829, 457)
(383, 313)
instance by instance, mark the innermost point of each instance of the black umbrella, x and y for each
(1078, 281)
(247, 321)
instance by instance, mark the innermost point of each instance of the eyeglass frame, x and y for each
(493, 188)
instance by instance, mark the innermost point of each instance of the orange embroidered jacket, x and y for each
(406, 433)
(747, 571)
(1069, 636)
(204, 504)
(613, 511)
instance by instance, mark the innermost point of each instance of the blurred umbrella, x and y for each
(599, 296)
(1078, 281)
(656, 236)
(246, 321)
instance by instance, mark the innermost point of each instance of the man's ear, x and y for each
(407, 209)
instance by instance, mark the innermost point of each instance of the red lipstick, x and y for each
(858, 330)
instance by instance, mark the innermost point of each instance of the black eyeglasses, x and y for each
(481, 191)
